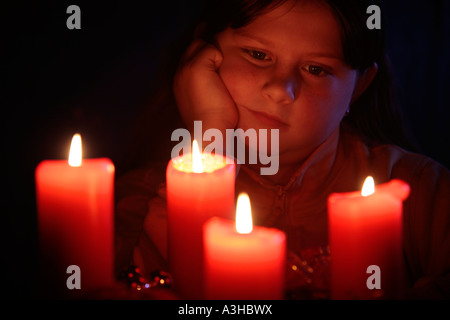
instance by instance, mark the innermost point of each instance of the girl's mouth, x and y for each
(268, 119)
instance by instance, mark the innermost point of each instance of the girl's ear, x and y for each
(364, 81)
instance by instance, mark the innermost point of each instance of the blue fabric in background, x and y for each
(418, 43)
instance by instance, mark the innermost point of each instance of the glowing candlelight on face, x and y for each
(368, 187)
(75, 154)
(244, 222)
(197, 163)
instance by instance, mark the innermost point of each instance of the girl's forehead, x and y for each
(297, 24)
(296, 14)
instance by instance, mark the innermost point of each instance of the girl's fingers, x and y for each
(202, 54)
(209, 56)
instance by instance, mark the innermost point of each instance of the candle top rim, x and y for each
(50, 164)
(395, 188)
(257, 232)
(210, 163)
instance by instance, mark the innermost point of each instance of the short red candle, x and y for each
(243, 266)
(192, 198)
(365, 231)
(75, 218)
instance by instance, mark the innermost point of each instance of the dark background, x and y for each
(96, 80)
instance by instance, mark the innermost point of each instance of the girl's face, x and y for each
(286, 71)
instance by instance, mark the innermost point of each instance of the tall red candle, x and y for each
(243, 262)
(75, 220)
(193, 196)
(365, 231)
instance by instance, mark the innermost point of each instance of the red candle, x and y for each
(242, 262)
(365, 231)
(196, 191)
(75, 218)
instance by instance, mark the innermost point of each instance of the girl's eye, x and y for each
(257, 55)
(315, 70)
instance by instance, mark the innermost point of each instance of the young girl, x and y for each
(314, 71)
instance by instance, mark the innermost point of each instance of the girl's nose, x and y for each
(281, 90)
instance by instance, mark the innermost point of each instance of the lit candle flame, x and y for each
(368, 187)
(197, 163)
(244, 222)
(75, 157)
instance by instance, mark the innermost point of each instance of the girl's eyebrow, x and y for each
(324, 55)
(245, 34)
(265, 42)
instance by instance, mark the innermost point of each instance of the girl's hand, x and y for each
(200, 92)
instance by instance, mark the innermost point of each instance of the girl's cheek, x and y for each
(240, 78)
(332, 94)
(341, 88)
